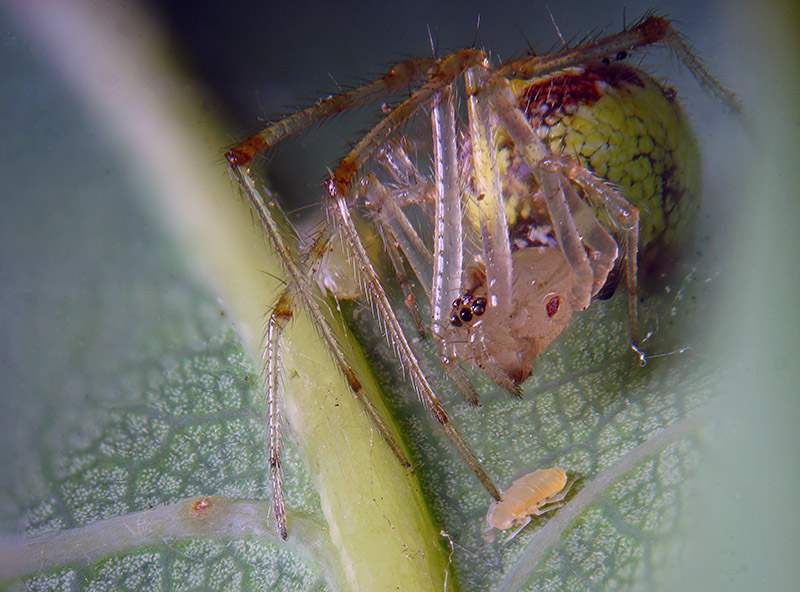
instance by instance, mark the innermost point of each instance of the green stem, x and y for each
(376, 516)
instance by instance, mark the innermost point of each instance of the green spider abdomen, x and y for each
(630, 131)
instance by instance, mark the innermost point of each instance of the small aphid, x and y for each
(534, 494)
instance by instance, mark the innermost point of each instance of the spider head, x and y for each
(506, 345)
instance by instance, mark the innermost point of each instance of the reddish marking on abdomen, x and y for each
(555, 94)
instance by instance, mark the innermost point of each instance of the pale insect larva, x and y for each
(540, 491)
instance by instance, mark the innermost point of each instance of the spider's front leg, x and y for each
(299, 288)
(439, 268)
(398, 77)
(398, 340)
(562, 254)
(343, 197)
(575, 226)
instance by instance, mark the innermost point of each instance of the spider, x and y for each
(565, 173)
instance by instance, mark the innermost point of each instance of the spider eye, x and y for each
(454, 320)
(479, 306)
(552, 306)
(465, 314)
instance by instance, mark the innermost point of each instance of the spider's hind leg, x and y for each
(626, 217)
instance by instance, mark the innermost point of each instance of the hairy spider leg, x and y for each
(448, 235)
(626, 216)
(279, 318)
(492, 218)
(299, 286)
(444, 265)
(341, 191)
(398, 77)
(396, 224)
(651, 30)
(574, 224)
